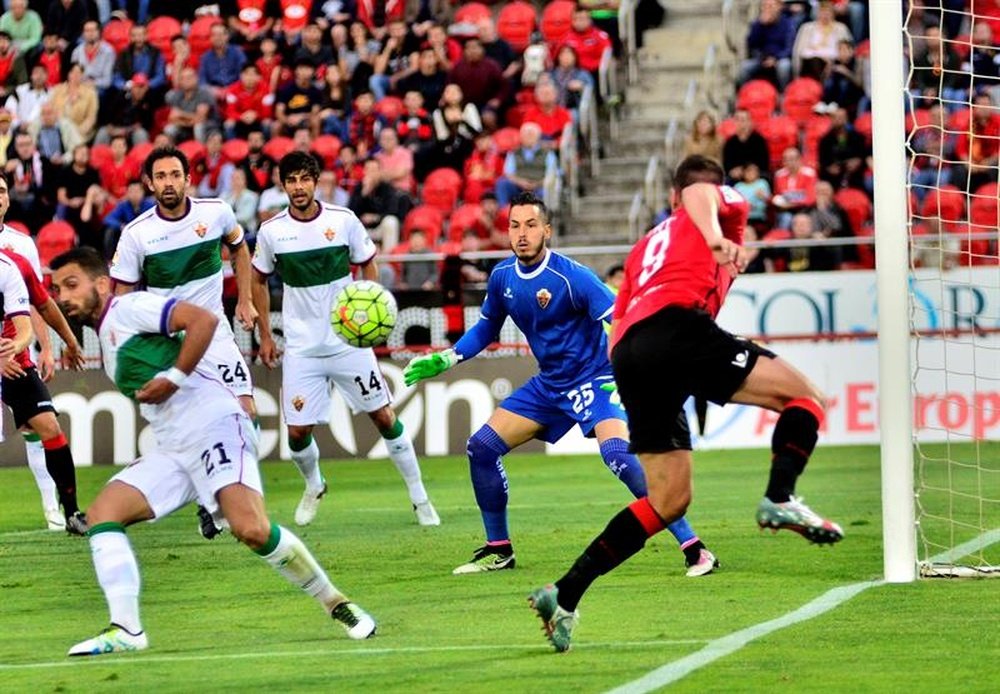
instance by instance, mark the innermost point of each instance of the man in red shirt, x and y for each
(119, 170)
(978, 146)
(588, 41)
(249, 103)
(794, 187)
(548, 114)
(665, 347)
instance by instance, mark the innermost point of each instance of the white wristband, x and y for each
(175, 376)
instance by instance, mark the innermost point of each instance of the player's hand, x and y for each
(72, 356)
(6, 348)
(46, 365)
(729, 255)
(429, 366)
(268, 353)
(612, 388)
(246, 314)
(11, 369)
(155, 391)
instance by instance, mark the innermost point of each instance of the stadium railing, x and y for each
(568, 155)
(627, 33)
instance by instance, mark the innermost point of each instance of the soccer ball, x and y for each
(364, 314)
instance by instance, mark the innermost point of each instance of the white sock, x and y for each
(405, 459)
(307, 461)
(296, 563)
(36, 461)
(118, 575)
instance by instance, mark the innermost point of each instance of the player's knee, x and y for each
(46, 426)
(485, 446)
(383, 418)
(670, 505)
(251, 531)
(249, 406)
(298, 435)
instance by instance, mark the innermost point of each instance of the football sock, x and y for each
(289, 557)
(305, 455)
(624, 465)
(405, 459)
(792, 443)
(36, 461)
(624, 536)
(489, 482)
(117, 573)
(59, 463)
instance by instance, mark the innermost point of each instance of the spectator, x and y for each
(192, 109)
(48, 54)
(396, 161)
(933, 155)
(481, 80)
(482, 168)
(363, 126)
(140, 57)
(270, 64)
(587, 40)
(23, 24)
(55, 137)
(376, 15)
(244, 202)
(26, 101)
(293, 19)
(843, 84)
(475, 271)
(257, 166)
(7, 132)
(743, 147)
(182, 57)
(379, 206)
(12, 67)
(74, 181)
(569, 78)
(313, 50)
(548, 114)
(816, 43)
(704, 138)
(272, 200)
(131, 206)
(414, 127)
(76, 101)
(357, 54)
(427, 78)
(499, 50)
(215, 170)
(931, 245)
(335, 108)
(96, 206)
(118, 171)
(131, 113)
(298, 103)
(249, 104)
(614, 277)
(393, 60)
(447, 50)
(979, 146)
(96, 56)
(331, 14)
(250, 20)
(983, 64)
(936, 71)
(527, 167)
(853, 14)
(810, 258)
(842, 153)
(794, 186)
(832, 221)
(419, 274)
(348, 169)
(453, 140)
(328, 190)
(757, 191)
(769, 46)
(66, 18)
(469, 120)
(220, 66)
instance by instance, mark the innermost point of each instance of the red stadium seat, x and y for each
(781, 132)
(54, 238)
(389, 109)
(159, 33)
(462, 219)
(20, 226)
(441, 189)
(100, 155)
(857, 206)
(139, 152)
(235, 150)
(947, 202)
(200, 33)
(516, 23)
(918, 118)
(799, 98)
(327, 147)
(556, 21)
(193, 150)
(116, 32)
(863, 124)
(277, 147)
(472, 12)
(427, 218)
(759, 97)
(984, 210)
(507, 139)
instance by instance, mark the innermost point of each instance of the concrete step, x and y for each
(600, 202)
(615, 185)
(600, 226)
(653, 110)
(705, 9)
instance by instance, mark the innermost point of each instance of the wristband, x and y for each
(175, 376)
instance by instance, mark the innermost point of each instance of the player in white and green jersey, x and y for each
(313, 245)
(205, 448)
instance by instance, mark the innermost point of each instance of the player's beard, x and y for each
(170, 201)
(302, 210)
(532, 254)
(90, 311)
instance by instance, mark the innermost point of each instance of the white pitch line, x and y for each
(142, 659)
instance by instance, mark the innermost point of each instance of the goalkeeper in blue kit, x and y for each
(561, 307)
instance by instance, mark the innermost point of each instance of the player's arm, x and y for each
(126, 265)
(369, 270)
(72, 352)
(246, 314)
(702, 202)
(268, 352)
(199, 328)
(46, 360)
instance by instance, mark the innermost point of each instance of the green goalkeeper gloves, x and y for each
(429, 366)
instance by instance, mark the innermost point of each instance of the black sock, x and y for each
(624, 536)
(59, 463)
(792, 443)
(692, 553)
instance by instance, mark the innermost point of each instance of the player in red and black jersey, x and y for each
(666, 347)
(28, 398)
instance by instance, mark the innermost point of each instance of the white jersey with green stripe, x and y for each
(180, 258)
(314, 258)
(136, 345)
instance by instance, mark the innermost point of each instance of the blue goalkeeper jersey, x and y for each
(560, 306)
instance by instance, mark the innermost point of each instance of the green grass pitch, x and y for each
(219, 619)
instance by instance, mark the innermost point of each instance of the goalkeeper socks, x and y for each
(59, 463)
(36, 461)
(305, 455)
(117, 573)
(624, 536)
(489, 482)
(289, 557)
(624, 465)
(405, 459)
(792, 443)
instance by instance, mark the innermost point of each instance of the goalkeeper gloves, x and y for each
(429, 366)
(615, 399)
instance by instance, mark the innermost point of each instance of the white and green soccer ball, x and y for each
(364, 314)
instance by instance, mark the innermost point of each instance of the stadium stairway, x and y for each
(672, 55)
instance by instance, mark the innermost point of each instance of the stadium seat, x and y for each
(556, 21)
(857, 206)
(441, 189)
(159, 33)
(947, 202)
(759, 97)
(116, 32)
(507, 139)
(54, 238)
(863, 125)
(515, 24)
(427, 218)
(277, 147)
(20, 226)
(200, 33)
(462, 219)
(235, 150)
(780, 132)
(800, 96)
(327, 147)
(918, 118)
(195, 151)
(984, 210)
(139, 152)
(389, 109)
(100, 155)
(472, 12)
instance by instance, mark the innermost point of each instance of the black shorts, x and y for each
(26, 396)
(664, 359)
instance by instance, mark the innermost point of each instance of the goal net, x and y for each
(952, 145)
